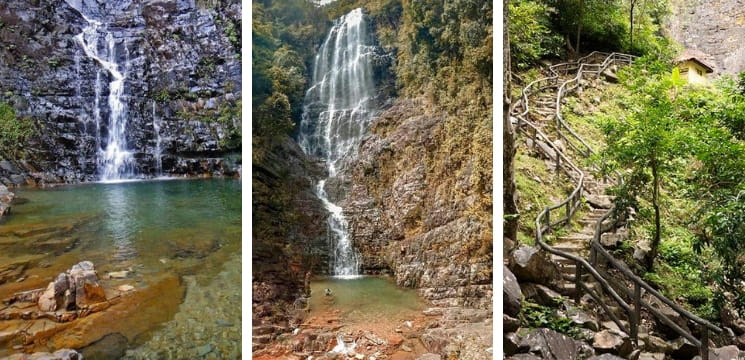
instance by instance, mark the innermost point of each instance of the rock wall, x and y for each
(289, 236)
(183, 70)
(716, 28)
(413, 211)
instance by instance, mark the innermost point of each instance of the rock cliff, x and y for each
(413, 209)
(715, 28)
(289, 235)
(182, 60)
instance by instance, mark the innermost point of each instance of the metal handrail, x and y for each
(544, 225)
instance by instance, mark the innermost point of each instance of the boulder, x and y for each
(524, 357)
(641, 251)
(529, 264)
(62, 354)
(657, 345)
(74, 289)
(582, 319)
(730, 352)
(651, 356)
(608, 341)
(511, 344)
(509, 323)
(606, 357)
(85, 281)
(550, 345)
(541, 294)
(512, 296)
(668, 332)
(599, 201)
(684, 349)
(57, 295)
(610, 240)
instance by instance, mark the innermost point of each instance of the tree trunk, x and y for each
(631, 26)
(509, 189)
(657, 222)
(579, 24)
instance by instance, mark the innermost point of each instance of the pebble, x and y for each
(405, 348)
(125, 288)
(409, 324)
(359, 356)
(398, 330)
(204, 349)
(118, 274)
(223, 323)
(163, 261)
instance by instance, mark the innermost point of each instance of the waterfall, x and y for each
(158, 150)
(115, 159)
(338, 108)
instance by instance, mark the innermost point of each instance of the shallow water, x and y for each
(180, 241)
(370, 300)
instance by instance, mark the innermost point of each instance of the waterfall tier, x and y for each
(339, 106)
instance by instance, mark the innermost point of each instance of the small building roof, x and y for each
(695, 56)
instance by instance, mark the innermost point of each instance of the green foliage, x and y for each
(14, 132)
(531, 37)
(285, 34)
(539, 316)
(540, 28)
(648, 142)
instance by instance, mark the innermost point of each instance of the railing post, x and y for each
(637, 314)
(704, 343)
(569, 211)
(558, 162)
(535, 137)
(577, 281)
(548, 220)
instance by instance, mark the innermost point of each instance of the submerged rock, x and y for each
(63, 354)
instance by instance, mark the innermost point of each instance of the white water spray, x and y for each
(115, 159)
(338, 108)
(158, 149)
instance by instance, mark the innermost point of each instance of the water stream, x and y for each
(338, 108)
(158, 151)
(115, 160)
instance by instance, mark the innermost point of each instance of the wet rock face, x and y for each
(719, 36)
(182, 69)
(411, 213)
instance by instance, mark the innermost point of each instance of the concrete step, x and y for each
(575, 237)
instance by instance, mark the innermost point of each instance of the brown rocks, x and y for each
(550, 345)
(6, 197)
(608, 341)
(512, 295)
(529, 264)
(684, 349)
(63, 354)
(74, 289)
(730, 352)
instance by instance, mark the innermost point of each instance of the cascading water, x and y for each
(337, 111)
(158, 151)
(115, 159)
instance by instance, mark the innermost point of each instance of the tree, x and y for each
(647, 143)
(509, 190)
(530, 35)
